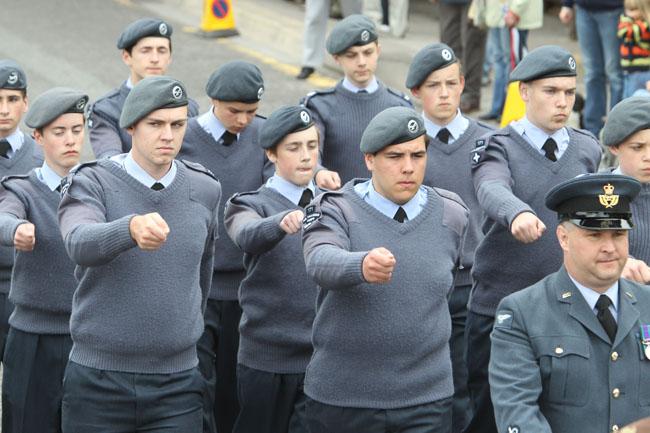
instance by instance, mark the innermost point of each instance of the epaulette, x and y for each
(195, 166)
(74, 170)
(485, 125)
(13, 176)
(241, 194)
(304, 101)
(399, 94)
(584, 132)
(444, 193)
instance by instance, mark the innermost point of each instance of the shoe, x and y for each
(305, 72)
(469, 105)
(384, 28)
(489, 116)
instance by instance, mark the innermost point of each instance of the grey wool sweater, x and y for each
(28, 156)
(640, 234)
(277, 297)
(511, 177)
(43, 280)
(242, 166)
(449, 168)
(342, 116)
(138, 311)
(381, 346)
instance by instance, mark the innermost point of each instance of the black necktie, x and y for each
(605, 316)
(549, 148)
(4, 148)
(157, 186)
(362, 91)
(305, 198)
(228, 138)
(58, 189)
(443, 135)
(400, 215)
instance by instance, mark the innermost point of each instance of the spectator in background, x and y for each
(391, 16)
(596, 25)
(634, 34)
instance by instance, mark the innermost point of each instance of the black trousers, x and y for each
(32, 382)
(6, 308)
(217, 350)
(461, 411)
(432, 417)
(478, 329)
(116, 402)
(270, 402)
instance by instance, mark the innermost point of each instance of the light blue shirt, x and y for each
(129, 83)
(537, 137)
(16, 140)
(456, 127)
(210, 124)
(370, 88)
(288, 189)
(126, 161)
(591, 296)
(413, 207)
(48, 176)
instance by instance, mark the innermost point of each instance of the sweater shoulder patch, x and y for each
(313, 211)
(67, 181)
(195, 166)
(314, 94)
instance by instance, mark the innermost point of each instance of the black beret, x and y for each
(354, 30)
(627, 117)
(598, 201)
(545, 62)
(52, 104)
(236, 81)
(429, 59)
(394, 125)
(151, 94)
(11, 75)
(282, 122)
(143, 28)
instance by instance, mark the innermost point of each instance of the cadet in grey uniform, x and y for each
(225, 140)
(277, 296)
(18, 154)
(43, 280)
(627, 135)
(436, 78)
(512, 169)
(383, 252)
(571, 353)
(147, 51)
(141, 228)
(343, 112)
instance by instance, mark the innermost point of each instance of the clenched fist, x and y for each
(527, 228)
(24, 238)
(378, 265)
(292, 222)
(149, 231)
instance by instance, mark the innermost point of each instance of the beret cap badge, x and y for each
(13, 78)
(413, 126)
(365, 35)
(572, 63)
(446, 54)
(162, 28)
(177, 92)
(609, 199)
(304, 116)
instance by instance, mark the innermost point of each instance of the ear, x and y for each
(416, 92)
(271, 155)
(615, 150)
(523, 91)
(131, 130)
(38, 137)
(370, 161)
(462, 83)
(336, 58)
(26, 99)
(378, 48)
(126, 58)
(562, 234)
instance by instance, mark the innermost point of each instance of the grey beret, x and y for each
(236, 81)
(429, 59)
(545, 62)
(151, 94)
(349, 32)
(392, 126)
(11, 75)
(52, 104)
(143, 28)
(282, 122)
(627, 117)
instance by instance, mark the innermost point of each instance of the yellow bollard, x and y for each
(514, 107)
(218, 19)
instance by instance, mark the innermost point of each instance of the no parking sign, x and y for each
(218, 18)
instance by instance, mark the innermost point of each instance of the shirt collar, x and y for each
(134, 170)
(213, 126)
(289, 190)
(370, 88)
(537, 137)
(16, 140)
(129, 83)
(456, 127)
(412, 207)
(49, 177)
(591, 296)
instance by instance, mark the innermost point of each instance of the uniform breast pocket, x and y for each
(565, 370)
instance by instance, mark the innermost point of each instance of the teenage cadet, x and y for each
(43, 280)
(277, 297)
(571, 353)
(225, 140)
(383, 252)
(140, 227)
(18, 155)
(436, 78)
(627, 135)
(512, 170)
(343, 112)
(147, 51)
